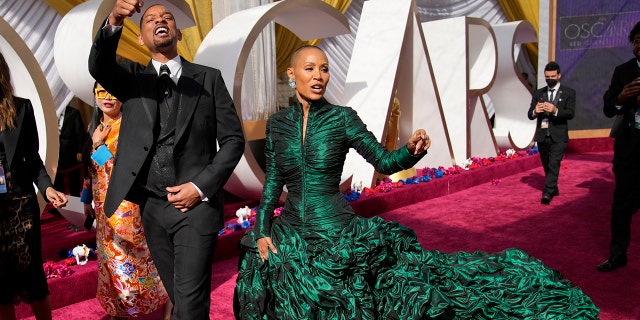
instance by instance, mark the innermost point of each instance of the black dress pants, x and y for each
(182, 256)
(551, 153)
(626, 196)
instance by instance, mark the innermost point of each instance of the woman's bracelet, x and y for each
(96, 145)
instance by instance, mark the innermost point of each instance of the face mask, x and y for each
(551, 82)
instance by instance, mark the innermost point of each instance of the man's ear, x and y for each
(140, 41)
(179, 35)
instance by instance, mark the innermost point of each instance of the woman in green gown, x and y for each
(319, 260)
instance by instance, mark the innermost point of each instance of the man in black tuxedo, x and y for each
(622, 100)
(72, 133)
(552, 106)
(167, 159)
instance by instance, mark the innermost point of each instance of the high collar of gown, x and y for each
(313, 105)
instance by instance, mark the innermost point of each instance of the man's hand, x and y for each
(545, 107)
(122, 9)
(184, 196)
(549, 107)
(631, 89)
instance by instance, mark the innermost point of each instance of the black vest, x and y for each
(162, 167)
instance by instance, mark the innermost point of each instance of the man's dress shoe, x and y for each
(613, 263)
(546, 199)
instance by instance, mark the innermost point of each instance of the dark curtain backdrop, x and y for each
(591, 40)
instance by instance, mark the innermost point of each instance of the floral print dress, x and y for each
(128, 282)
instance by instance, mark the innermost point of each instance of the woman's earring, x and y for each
(95, 105)
(292, 83)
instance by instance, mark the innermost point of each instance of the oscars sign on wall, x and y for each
(439, 71)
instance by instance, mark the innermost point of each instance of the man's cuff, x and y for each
(202, 196)
(110, 29)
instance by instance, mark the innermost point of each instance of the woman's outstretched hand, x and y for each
(264, 245)
(419, 142)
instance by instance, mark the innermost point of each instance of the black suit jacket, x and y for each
(72, 138)
(206, 115)
(623, 125)
(565, 101)
(21, 149)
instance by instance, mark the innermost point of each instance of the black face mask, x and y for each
(551, 82)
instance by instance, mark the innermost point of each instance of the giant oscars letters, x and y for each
(438, 70)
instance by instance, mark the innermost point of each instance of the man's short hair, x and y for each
(634, 31)
(552, 66)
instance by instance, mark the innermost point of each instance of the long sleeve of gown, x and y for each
(271, 191)
(368, 146)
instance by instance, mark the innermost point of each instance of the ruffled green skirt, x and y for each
(374, 269)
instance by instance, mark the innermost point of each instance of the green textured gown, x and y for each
(334, 264)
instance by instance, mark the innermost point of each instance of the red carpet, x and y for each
(490, 209)
(570, 235)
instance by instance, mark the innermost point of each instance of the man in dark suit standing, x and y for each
(167, 159)
(72, 133)
(552, 106)
(622, 100)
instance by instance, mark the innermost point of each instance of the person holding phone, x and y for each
(552, 106)
(622, 100)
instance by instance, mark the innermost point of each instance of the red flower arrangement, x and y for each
(57, 270)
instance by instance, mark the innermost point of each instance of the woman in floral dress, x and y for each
(128, 283)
